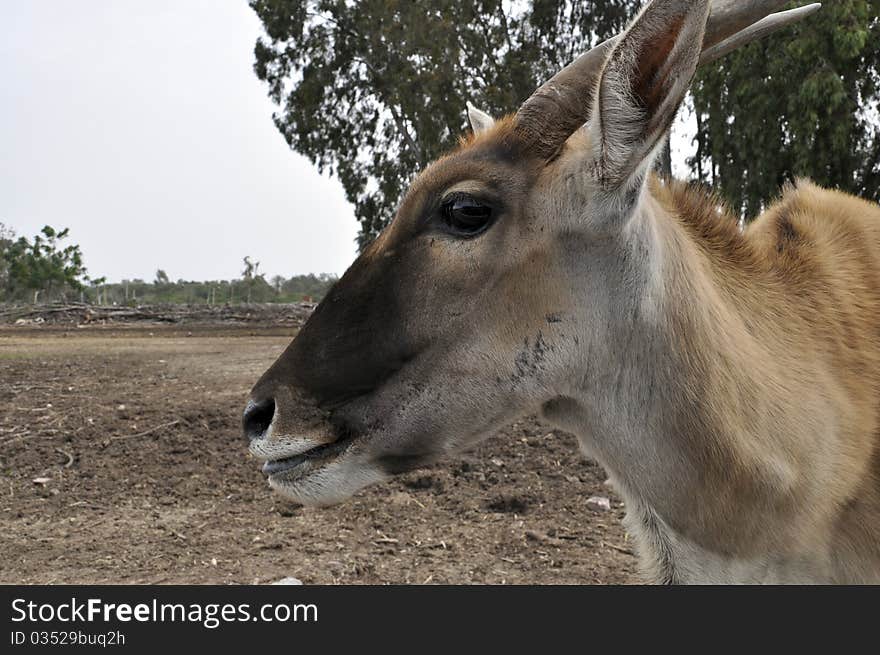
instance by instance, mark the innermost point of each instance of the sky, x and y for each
(141, 126)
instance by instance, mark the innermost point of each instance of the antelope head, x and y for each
(496, 290)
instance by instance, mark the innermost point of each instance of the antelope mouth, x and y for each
(297, 466)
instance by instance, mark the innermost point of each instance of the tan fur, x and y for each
(783, 326)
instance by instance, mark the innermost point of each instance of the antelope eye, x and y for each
(466, 216)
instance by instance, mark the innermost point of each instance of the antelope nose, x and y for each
(257, 417)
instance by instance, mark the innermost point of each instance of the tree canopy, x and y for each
(217, 292)
(43, 264)
(800, 104)
(44, 269)
(373, 90)
(6, 237)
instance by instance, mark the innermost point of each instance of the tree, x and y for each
(7, 235)
(803, 103)
(301, 287)
(373, 90)
(252, 278)
(293, 289)
(43, 265)
(277, 283)
(161, 278)
(97, 284)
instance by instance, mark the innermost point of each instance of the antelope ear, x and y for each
(642, 86)
(480, 120)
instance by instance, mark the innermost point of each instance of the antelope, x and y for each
(727, 379)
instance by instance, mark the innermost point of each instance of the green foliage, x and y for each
(44, 269)
(801, 103)
(216, 292)
(252, 278)
(42, 265)
(373, 90)
(311, 286)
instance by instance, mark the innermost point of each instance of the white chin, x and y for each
(329, 484)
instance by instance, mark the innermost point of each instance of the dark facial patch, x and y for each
(530, 360)
(355, 339)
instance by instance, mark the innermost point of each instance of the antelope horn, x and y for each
(762, 28)
(562, 105)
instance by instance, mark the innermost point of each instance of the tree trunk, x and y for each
(701, 139)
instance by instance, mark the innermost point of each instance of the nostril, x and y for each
(257, 418)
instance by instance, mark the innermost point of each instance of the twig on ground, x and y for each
(175, 533)
(18, 437)
(69, 457)
(625, 551)
(145, 432)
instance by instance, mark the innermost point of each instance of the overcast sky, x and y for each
(140, 125)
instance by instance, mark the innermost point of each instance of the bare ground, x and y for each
(132, 435)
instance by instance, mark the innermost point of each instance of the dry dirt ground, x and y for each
(122, 462)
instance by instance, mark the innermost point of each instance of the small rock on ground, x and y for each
(288, 581)
(599, 502)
